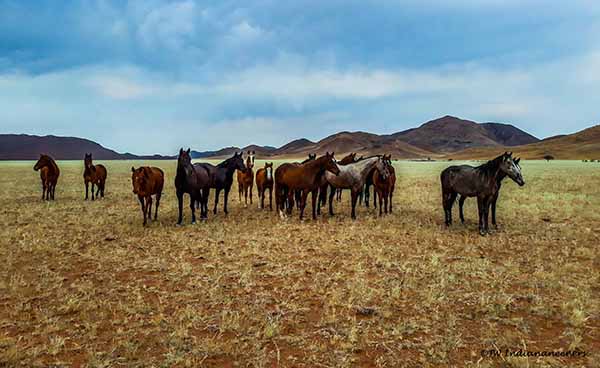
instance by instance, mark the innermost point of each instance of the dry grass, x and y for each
(83, 284)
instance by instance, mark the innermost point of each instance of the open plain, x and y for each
(83, 284)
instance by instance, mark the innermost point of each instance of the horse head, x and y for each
(43, 161)
(330, 164)
(511, 167)
(269, 170)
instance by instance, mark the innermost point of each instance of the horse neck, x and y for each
(52, 167)
(316, 166)
(491, 170)
(365, 166)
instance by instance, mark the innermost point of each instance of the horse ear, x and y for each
(132, 169)
(188, 151)
(517, 160)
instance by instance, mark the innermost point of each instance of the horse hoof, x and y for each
(482, 233)
(193, 222)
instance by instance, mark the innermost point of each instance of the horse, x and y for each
(353, 177)
(246, 179)
(501, 176)
(383, 184)
(49, 173)
(264, 182)
(221, 177)
(292, 177)
(350, 158)
(480, 182)
(95, 174)
(148, 181)
(194, 181)
(298, 193)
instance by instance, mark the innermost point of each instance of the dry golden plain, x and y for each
(83, 284)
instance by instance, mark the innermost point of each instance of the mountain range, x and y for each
(445, 137)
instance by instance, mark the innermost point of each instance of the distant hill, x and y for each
(29, 147)
(582, 145)
(451, 134)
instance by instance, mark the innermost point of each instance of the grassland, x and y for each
(83, 284)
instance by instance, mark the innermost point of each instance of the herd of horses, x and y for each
(323, 178)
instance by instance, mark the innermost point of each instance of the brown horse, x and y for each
(264, 182)
(49, 173)
(246, 179)
(291, 177)
(95, 174)
(384, 184)
(148, 181)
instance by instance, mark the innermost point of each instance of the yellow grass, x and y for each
(83, 284)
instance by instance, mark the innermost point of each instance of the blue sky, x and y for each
(152, 76)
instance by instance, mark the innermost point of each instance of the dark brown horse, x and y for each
(49, 174)
(246, 179)
(95, 174)
(306, 178)
(148, 181)
(384, 183)
(193, 180)
(264, 182)
(480, 182)
(461, 199)
(221, 177)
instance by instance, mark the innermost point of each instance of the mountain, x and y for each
(29, 147)
(582, 145)
(451, 134)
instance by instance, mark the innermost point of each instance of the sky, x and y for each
(153, 76)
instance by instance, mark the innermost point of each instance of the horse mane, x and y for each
(490, 168)
(225, 163)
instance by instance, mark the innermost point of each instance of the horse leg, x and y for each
(225, 201)
(143, 203)
(494, 210)
(486, 213)
(461, 202)
(193, 208)
(86, 190)
(250, 190)
(98, 190)
(102, 191)
(217, 192)
(331, 194)
(149, 207)
(377, 194)
(158, 195)
(354, 196)
(303, 203)
(367, 196)
(391, 195)
(290, 200)
(270, 199)
(53, 190)
(447, 202)
(315, 194)
(385, 202)
(180, 207)
(480, 210)
(93, 190)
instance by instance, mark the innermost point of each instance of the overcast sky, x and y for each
(152, 76)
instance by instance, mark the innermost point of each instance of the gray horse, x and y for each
(352, 176)
(481, 182)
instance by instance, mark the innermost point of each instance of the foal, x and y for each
(49, 174)
(246, 179)
(95, 174)
(481, 182)
(148, 181)
(264, 182)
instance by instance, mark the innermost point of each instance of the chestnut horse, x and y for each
(49, 173)
(292, 177)
(384, 183)
(246, 179)
(148, 181)
(264, 182)
(95, 174)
